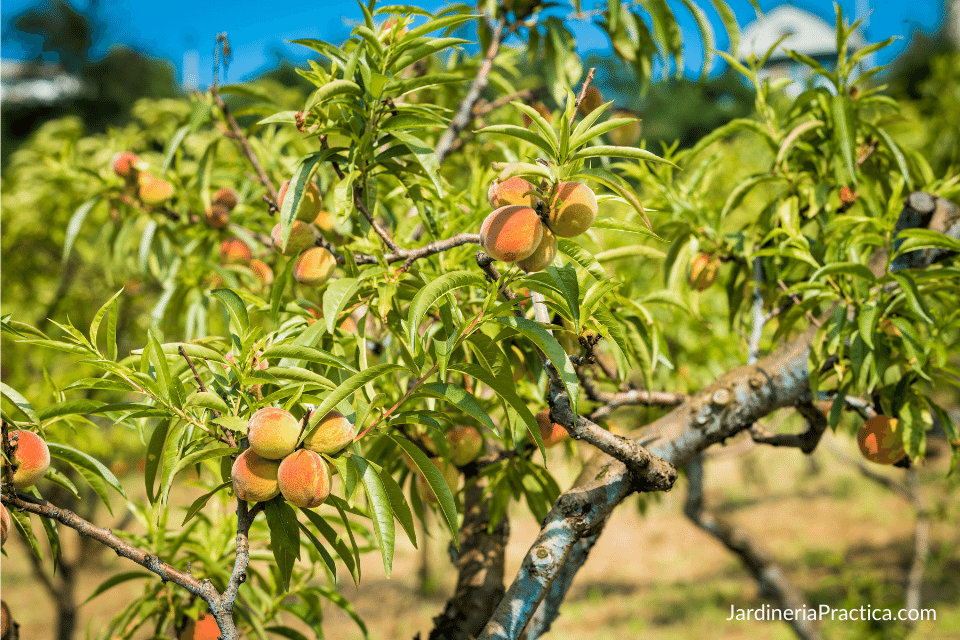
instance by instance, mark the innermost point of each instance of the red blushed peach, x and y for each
(6, 620)
(331, 434)
(262, 271)
(301, 238)
(450, 475)
(543, 255)
(255, 478)
(4, 524)
(464, 444)
(153, 191)
(551, 432)
(234, 251)
(573, 209)
(516, 190)
(703, 271)
(511, 233)
(226, 197)
(217, 216)
(880, 440)
(203, 628)
(273, 432)
(124, 164)
(311, 201)
(31, 458)
(314, 267)
(304, 479)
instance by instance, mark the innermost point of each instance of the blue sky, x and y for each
(169, 28)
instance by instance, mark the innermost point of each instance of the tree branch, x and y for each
(245, 147)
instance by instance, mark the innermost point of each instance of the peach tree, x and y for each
(316, 337)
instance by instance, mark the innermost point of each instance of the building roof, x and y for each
(806, 33)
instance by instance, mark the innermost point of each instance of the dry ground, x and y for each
(844, 540)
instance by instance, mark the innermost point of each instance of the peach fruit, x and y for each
(31, 458)
(262, 271)
(543, 255)
(464, 444)
(153, 191)
(304, 479)
(573, 209)
(511, 233)
(324, 221)
(255, 478)
(222, 203)
(301, 238)
(591, 100)
(314, 267)
(6, 620)
(125, 164)
(450, 474)
(516, 190)
(273, 432)
(386, 35)
(203, 628)
(311, 202)
(234, 251)
(5, 524)
(551, 432)
(703, 271)
(628, 134)
(880, 440)
(331, 434)
(542, 110)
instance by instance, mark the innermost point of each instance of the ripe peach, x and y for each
(551, 432)
(234, 251)
(543, 255)
(703, 271)
(304, 479)
(227, 197)
(542, 110)
(273, 432)
(217, 216)
(324, 220)
(511, 233)
(262, 271)
(464, 444)
(255, 478)
(314, 267)
(516, 190)
(6, 620)
(153, 191)
(203, 628)
(31, 458)
(450, 474)
(880, 440)
(124, 164)
(572, 209)
(301, 238)
(331, 434)
(5, 524)
(311, 202)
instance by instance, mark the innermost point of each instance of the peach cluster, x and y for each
(273, 465)
(523, 228)
(315, 265)
(223, 202)
(149, 189)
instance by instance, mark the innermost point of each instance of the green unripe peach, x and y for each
(703, 271)
(450, 475)
(628, 134)
(543, 255)
(551, 433)
(881, 440)
(31, 458)
(255, 478)
(464, 444)
(301, 238)
(153, 191)
(234, 251)
(273, 433)
(314, 267)
(311, 202)
(331, 434)
(572, 209)
(304, 479)
(511, 233)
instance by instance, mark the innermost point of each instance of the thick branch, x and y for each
(465, 113)
(806, 441)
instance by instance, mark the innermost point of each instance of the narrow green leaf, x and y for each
(74, 226)
(236, 308)
(433, 292)
(380, 510)
(436, 481)
(336, 297)
(284, 538)
(549, 345)
(461, 398)
(201, 502)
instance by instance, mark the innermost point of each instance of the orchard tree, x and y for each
(322, 345)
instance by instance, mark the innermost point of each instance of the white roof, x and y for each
(806, 33)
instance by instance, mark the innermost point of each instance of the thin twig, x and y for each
(581, 95)
(244, 144)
